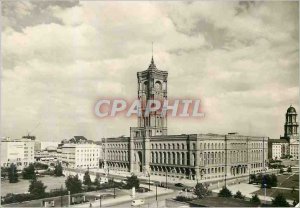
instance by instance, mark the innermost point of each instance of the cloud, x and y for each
(239, 58)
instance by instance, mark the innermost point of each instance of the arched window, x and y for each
(174, 158)
(156, 157)
(178, 158)
(193, 159)
(182, 146)
(208, 158)
(152, 157)
(205, 146)
(182, 158)
(169, 158)
(158, 85)
(145, 86)
(160, 157)
(208, 146)
(164, 158)
(173, 146)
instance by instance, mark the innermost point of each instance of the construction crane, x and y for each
(29, 132)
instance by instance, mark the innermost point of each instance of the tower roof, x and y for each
(152, 65)
(291, 109)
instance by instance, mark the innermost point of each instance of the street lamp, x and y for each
(148, 173)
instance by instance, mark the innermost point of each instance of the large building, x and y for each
(17, 151)
(150, 150)
(80, 153)
(288, 145)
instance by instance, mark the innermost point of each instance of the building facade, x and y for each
(288, 145)
(17, 151)
(150, 150)
(80, 155)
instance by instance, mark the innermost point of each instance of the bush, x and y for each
(29, 172)
(225, 192)
(37, 188)
(281, 171)
(239, 195)
(183, 199)
(12, 174)
(40, 166)
(132, 181)
(58, 170)
(255, 199)
(87, 179)
(280, 201)
(73, 184)
(201, 190)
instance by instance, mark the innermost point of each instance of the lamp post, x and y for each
(166, 178)
(100, 197)
(148, 173)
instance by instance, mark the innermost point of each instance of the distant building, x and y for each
(17, 151)
(278, 148)
(43, 145)
(81, 153)
(288, 145)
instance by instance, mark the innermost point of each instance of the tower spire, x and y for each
(152, 64)
(152, 60)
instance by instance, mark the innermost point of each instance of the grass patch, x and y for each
(273, 192)
(221, 202)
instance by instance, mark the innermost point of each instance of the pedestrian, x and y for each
(91, 204)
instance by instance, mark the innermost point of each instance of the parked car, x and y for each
(137, 202)
(179, 185)
(142, 190)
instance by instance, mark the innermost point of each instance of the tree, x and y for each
(4, 171)
(29, 172)
(252, 178)
(97, 181)
(133, 181)
(280, 201)
(273, 181)
(12, 174)
(37, 188)
(87, 179)
(239, 195)
(225, 192)
(202, 190)
(289, 169)
(58, 170)
(255, 199)
(73, 184)
(281, 171)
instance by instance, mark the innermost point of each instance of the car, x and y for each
(179, 185)
(137, 202)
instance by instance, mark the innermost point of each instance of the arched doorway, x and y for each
(140, 161)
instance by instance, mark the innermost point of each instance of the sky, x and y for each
(58, 58)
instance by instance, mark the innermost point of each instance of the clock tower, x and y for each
(152, 85)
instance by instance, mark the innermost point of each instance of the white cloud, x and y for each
(242, 61)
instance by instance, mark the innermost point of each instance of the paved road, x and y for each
(149, 202)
